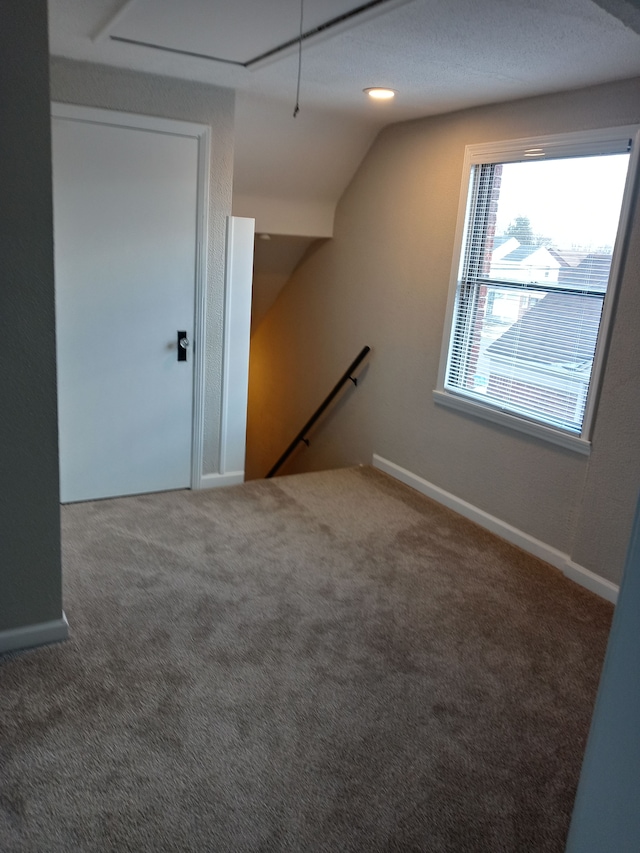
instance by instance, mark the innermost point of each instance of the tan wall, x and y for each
(383, 281)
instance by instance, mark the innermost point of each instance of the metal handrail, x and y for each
(301, 436)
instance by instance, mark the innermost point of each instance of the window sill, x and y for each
(488, 413)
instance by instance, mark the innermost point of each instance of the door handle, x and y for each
(183, 346)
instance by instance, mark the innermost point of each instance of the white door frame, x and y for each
(202, 133)
(237, 334)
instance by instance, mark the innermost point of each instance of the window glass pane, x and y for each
(537, 257)
(556, 220)
(535, 352)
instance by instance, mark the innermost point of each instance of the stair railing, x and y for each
(302, 435)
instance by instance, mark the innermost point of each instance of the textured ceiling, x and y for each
(439, 55)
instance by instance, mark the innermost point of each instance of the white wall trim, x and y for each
(117, 118)
(216, 481)
(200, 313)
(584, 577)
(34, 635)
(591, 581)
(236, 342)
(476, 409)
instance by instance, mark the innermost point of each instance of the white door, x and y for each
(125, 210)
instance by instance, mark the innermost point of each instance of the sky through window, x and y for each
(586, 194)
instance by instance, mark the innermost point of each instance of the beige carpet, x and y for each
(325, 662)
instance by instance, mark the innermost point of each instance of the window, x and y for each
(539, 242)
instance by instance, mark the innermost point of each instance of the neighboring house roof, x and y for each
(500, 241)
(559, 329)
(502, 246)
(567, 259)
(519, 254)
(592, 272)
(523, 252)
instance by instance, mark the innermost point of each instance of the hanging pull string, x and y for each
(297, 109)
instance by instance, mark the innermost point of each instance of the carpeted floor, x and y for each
(325, 662)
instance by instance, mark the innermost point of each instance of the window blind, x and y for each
(534, 272)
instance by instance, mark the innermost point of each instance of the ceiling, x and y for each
(440, 55)
(425, 49)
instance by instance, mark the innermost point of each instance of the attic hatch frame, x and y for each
(581, 144)
(327, 29)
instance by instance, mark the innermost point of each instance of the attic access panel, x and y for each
(241, 32)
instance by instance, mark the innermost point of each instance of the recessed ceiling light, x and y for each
(534, 152)
(380, 94)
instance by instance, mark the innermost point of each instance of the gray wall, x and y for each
(606, 815)
(383, 281)
(30, 575)
(115, 89)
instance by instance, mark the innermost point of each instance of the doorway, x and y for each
(128, 227)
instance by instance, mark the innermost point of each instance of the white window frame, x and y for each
(608, 141)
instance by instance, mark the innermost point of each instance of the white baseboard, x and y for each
(34, 635)
(586, 578)
(216, 481)
(590, 580)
